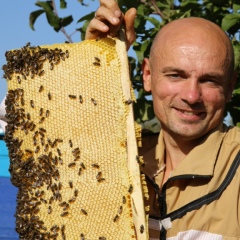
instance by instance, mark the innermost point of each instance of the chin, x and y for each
(187, 134)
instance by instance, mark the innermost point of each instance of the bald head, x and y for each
(193, 31)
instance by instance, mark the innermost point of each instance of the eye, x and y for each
(173, 75)
(211, 81)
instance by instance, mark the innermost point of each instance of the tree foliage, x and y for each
(151, 16)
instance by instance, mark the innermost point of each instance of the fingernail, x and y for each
(115, 20)
(117, 13)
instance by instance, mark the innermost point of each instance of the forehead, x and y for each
(194, 48)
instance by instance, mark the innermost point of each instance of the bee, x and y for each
(46, 148)
(98, 175)
(84, 211)
(42, 129)
(120, 210)
(124, 200)
(37, 149)
(32, 103)
(42, 58)
(82, 165)
(41, 120)
(70, 184)
(19, 79)
(76, 193)
(60, 160)
(28, 151)
(82, 236)
(72, 200)
(101, 179)
(116, 218)
(67, 54)
(51, 66)
(80, 99)
(76, 158)
(64, 214)
(95, 165)
(76, 150)
(96, 64)
(49, 210)
(102, 238)
(73, 164)
(59, 152)
(79, 171)
(141, 229)
(47, 113)
(22, 101)
(40, 111)
(129, 101)
(94, 101)
(97, 59)
(41, 73)
(49, 96)
(130, 189)
(70, 143)
(62, 204)
(66, 207)
(72, 96)
(63, 228)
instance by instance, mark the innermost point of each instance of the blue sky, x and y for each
(15, 30)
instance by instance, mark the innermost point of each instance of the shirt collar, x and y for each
(199, 162)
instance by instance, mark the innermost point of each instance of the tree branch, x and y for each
(158, 11)
(62, 28)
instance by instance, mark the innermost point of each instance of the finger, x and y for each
(129, 26)
(107, 16)
(96, 29)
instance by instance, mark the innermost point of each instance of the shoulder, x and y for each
(232, 136)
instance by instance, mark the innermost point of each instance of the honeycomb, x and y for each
(67, 141)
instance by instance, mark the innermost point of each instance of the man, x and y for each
(193, 172)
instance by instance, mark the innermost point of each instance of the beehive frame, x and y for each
(81, 181)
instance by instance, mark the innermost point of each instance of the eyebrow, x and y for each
(215, 75)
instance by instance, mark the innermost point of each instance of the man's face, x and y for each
(189, 87)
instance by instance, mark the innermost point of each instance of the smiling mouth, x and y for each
(188, 113)
(191, 113)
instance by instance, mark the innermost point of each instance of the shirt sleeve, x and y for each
(3, 120)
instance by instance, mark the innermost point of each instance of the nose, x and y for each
(191, 92)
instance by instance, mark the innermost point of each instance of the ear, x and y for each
(231, 86)
(146, 75)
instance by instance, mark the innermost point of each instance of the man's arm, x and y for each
(2, 115)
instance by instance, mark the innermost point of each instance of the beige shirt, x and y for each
(200, 173)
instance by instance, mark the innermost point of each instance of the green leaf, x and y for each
(33, 17)
(53, 20)
(45, 5)
(230, 20)
(86, 17)
(236, 7)
(154, 21)
(236, 91)
(63, 4)
(67, 20)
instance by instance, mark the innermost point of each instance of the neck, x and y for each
(177, 149)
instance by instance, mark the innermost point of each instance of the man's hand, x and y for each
(107, 22)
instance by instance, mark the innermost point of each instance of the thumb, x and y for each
(129, 26)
